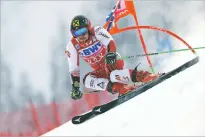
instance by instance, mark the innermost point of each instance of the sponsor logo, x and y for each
(102, 84)
(99, 28)
(98, 110)
(117, 77)
(94, 59)
(104, 35)
(76, 23)
(78, 120)
(91, 49)
(123, 78)
(92, 83)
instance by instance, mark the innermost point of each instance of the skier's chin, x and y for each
(83, 39)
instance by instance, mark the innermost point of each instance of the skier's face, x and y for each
(81, 35)
(83, 38)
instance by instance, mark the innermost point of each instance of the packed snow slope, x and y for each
(174, 107)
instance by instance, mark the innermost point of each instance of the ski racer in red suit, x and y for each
(96, 47)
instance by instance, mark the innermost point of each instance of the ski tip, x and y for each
(76, 120)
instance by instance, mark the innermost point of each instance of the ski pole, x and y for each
(158, 53)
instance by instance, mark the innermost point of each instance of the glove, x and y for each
(111, 58)
(76, 93)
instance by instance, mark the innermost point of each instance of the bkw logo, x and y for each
(91, 49)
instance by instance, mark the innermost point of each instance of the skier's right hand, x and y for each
(76, 93)
(111, 58)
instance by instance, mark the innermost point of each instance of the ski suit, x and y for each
(94, 52)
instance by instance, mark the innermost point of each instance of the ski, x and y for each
(108, 106)
(82, 118)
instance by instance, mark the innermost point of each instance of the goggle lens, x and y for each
(80, 32)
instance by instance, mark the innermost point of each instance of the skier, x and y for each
(96, 47)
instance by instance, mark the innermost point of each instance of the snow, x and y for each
(174, 107)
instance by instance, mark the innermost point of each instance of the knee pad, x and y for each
(120, 76)
(96, 83)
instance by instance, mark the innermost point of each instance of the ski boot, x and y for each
(119, 88)
(143, 76)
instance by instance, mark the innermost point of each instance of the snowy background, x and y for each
(34, 35)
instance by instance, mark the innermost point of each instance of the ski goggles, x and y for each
(80, 32)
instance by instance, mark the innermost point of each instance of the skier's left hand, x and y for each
(76, 93)
(111, 58)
